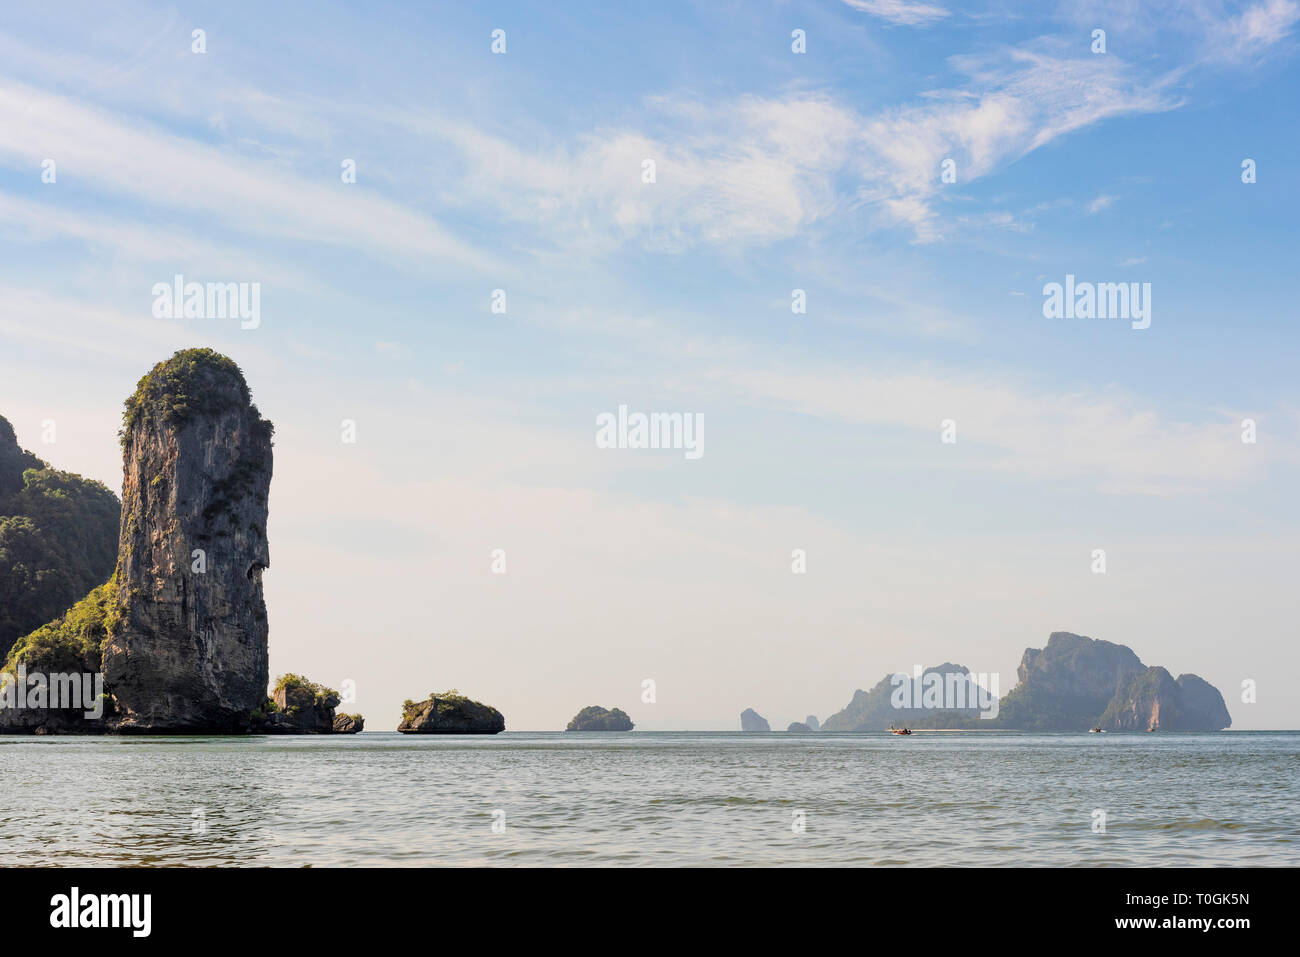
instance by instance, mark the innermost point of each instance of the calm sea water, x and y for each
(653, 799)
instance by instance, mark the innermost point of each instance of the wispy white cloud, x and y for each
(1101, 202)
(164, 171)
(111, 240)
(904, 12)
(1259, 27)
(756, 170)
(1229, 32)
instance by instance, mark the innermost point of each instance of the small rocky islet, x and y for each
(299, 706)
(595, 718)
(450, 712)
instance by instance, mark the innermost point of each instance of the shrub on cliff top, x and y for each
(320, 692)
(192, 382)
(447, 700)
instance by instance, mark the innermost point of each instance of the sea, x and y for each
(959, 799)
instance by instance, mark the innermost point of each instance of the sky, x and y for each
(505, 269)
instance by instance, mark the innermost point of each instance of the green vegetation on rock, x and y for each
(192, 382)
(291, 681)
(447, 701)
(58, 539)
(450, 712)
(73, 642)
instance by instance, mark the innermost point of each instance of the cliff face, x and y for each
(1204, 707)
(1145, 702)
(1076, 683)
(1154, 701)
(751, 720)
(1068, 684)
(1072, 666)
(190, 650)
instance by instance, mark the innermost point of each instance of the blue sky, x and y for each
(775, 171)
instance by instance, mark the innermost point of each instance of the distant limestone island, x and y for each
(595, 718)
(1080, 683)
(1073, 684)
(176, 637)
(751, 720)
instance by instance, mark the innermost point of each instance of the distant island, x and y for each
(751, 720)
(875, 710)
(1075, 683)
(595, 718)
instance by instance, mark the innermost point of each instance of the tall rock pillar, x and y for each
(190, 651)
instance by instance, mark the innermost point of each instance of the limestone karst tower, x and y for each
(189, 652)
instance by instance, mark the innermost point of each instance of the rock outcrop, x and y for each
(189, 652)
(1203, 706)
(299, 706)
(1066, 685)
(1076, 683)
(595, 718)
(58, 539)
(811, 721)
(751, 720)
(450, 712)
(799, 727)
(1153, 700)
(349, 724)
